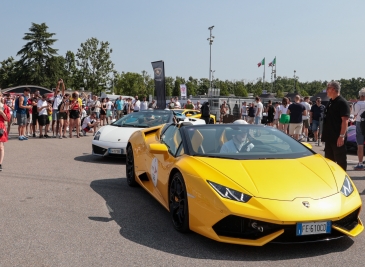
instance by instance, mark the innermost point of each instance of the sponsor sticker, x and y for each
(154, 171)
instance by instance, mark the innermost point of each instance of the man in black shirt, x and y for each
(296, 111)
(335, 123)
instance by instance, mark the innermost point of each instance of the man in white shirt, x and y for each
(136, 104)
(89, 124)
(358, 109)
(56, 102)
(259, 110)
(177, 103)
(237, 143)
(43, 120)
(307, 106)
(144, 104)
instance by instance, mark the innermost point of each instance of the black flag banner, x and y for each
(160, 91)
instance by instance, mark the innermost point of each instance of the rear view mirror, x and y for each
(158, 149)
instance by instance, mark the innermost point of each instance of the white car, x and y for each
(111, 140)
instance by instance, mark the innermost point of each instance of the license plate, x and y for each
(314, 228)
(115, 150)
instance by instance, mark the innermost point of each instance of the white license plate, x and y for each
(115, 151)
(314, 228)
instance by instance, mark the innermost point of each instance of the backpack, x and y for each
(362, 123)
(82, 121)
(205, 110)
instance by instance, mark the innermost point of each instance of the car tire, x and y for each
(131, 178)
(178, 203)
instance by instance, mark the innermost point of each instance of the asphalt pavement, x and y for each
(61, 206)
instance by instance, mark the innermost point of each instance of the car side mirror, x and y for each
(307, 145)
(158, 149)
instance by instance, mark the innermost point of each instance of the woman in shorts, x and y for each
(62, 116)
(103, 112)
(283, 117)
(75, 115)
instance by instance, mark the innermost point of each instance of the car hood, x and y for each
(116, 134)
(280, 179)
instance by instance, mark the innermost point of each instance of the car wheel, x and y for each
(211, 121)
(178, 203)
(131, 180)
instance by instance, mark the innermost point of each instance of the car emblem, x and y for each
(118, 139)
(306, 204)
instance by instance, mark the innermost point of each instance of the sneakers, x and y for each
(46, 136)
(359, 167)
(22, 138)
(34, 135)
(1, 168)
(41, 136)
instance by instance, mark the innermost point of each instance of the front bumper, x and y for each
(108, 149)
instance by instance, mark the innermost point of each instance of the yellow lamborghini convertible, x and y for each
(243, 184)
(192, 113)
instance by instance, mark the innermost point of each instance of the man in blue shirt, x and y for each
(119, 105)
(21, 113)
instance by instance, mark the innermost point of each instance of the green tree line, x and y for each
(91, 68)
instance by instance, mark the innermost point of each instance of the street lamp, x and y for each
(212, 71)
(295, 82)
(210, 39)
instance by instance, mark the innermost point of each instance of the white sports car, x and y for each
(111, 140)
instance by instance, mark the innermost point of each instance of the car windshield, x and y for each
(242, 142)
(144, 119)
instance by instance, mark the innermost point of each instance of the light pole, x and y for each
(212, 71)
(210, 39)
(295, 82)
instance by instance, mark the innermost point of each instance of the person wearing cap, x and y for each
(359, 108)
(237, 142)
(316, 114)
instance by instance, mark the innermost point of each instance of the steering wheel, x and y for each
(264, 148)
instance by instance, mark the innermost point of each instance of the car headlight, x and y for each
(97, 135)
(229, 193)
(347, 187)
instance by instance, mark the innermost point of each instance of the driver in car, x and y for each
(238, 143)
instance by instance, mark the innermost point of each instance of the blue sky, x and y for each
(321, 40)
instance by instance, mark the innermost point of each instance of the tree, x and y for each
(35, 54)
(8, 73)
(95, 64)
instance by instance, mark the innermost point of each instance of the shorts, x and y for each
(295, 128)
(250, 119)
(62, 116)
(21, 119)
(258, 120)
(276, 121)
(43, 120)
(86, 129)
(55, 114)
(97, 115)
(284, 119)
(102, 112)
(30, 119)
(243, 117)
(74, 114)
(315, 125)
(108, 113)
(359, 136)
(306, 123)
(270, 119)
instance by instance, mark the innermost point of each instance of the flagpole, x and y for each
(263, 85)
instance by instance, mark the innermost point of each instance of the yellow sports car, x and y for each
(243, 184)
(192, 113)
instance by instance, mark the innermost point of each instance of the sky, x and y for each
(320, 39)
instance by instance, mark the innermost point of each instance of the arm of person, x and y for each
(288, 111)
(39, 108)
(63, 88)
(21, 100)
(311, 117)
(5, 115)
(304, 113)
(344, 125)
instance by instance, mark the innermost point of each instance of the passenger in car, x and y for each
(238, 143)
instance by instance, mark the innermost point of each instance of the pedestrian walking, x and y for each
(4, 116)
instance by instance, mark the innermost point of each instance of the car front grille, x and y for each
(239, 227)
(349, 222)
(99, 150)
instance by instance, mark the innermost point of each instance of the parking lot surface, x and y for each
(61, 206)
